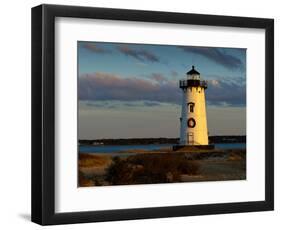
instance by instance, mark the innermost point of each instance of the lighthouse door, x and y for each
(190, 138)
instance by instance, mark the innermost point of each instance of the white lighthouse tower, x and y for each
(193, 121)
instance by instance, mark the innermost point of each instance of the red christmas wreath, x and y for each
(191, 123)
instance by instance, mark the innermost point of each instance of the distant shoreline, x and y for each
(161, 140)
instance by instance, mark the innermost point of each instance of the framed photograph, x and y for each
(143, 114)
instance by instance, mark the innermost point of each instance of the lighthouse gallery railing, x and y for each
(192, 83)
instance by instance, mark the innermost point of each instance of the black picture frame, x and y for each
(43, 114)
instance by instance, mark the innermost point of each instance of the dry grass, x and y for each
(87, 160)
(83, 181)
(151, 167)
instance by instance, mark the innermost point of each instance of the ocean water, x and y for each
(117, 148)
(230, 145)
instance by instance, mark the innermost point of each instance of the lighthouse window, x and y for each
(191, 107)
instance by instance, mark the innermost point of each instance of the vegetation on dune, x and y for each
(147, 169)
(87, 160)
(165, 167)
(83, 181)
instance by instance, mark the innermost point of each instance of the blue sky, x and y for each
(133, 89)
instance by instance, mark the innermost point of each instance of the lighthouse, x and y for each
(193, 120)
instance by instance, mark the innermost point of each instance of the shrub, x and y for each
(83, 181)
(147, 168)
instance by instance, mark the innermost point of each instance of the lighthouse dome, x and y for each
(193, 73)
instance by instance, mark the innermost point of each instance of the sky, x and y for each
(131, 90)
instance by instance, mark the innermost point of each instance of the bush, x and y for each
(147, 168)
(83, 181)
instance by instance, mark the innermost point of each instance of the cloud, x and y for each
(226, 93)
(217, 55)
(83, 105)
(174, 73)
(105, 87)
(139, 54)
(97, 104)
(236, 79)
(141, 64)
(214, 83)
(158, 77)
(95, 48)
(151, 103)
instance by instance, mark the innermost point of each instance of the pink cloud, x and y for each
(104, 86)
